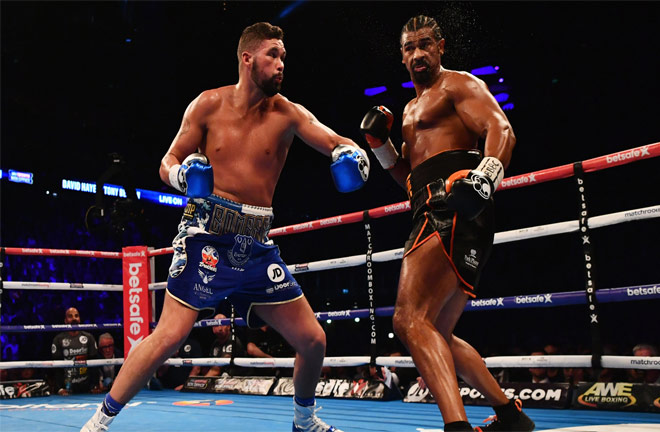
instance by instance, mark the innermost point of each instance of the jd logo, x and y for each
(275, 273)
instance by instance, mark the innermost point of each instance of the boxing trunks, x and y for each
(467, 244)
(222, 250)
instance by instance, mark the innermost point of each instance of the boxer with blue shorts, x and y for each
(230, 149)
(222, 250)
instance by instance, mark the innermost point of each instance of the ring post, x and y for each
(232, 329)
(137, 307)
(370, 290)
(596, 342)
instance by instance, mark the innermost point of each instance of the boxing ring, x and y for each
(234, 412)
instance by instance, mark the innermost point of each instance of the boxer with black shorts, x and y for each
(450, 187)
(227, 157)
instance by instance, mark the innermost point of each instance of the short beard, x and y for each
(422, 77)
(270, 87)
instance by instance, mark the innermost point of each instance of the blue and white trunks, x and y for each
(222, 251)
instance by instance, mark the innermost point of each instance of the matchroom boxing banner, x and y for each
(617, 396)
(342, 388)
(137, 307)
(250, 385)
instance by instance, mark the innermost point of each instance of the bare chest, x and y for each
(429, 111)
(259, 136)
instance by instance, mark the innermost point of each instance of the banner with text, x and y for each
(532, 395)
(137, 307)
(617, 396)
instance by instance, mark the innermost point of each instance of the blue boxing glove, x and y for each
(350, 167)
(194, 177)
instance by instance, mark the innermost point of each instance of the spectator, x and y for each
(555, 375)
(573, 376)
(264, 342)
(648, 376)
(384, 374)
(75, 345)
(405, 376)
(174, 377)
(222, 348)
(539, 375)
(108, 350)
(610, 374)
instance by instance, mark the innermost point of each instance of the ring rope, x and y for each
(555, 299)
(354, 260)
(579, 361)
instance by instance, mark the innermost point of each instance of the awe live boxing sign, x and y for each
(137, 307)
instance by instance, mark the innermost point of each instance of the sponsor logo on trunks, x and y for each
(278, 287)
(210, 258)
(208, 264)
(531, 299)
(189, 211)
(240, 252)
(643, 291)
(630, 154)
(515, 181)
(481, 185)
(225, 220)
(471, 260)
(203, 289)
(275, 273)
(487, 302)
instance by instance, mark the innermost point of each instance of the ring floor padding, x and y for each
(171, 411)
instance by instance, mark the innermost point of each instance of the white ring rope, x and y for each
(502, 237)
(574, 361)
(61, 286)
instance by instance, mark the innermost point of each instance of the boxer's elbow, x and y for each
(164, 172)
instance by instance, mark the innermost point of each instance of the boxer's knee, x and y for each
(312, 343)
(166, 343)
(403, 323)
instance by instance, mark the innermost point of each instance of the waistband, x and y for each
(222, 216)
(441, 166)
(242, 208)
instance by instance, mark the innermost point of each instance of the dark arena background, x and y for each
(95, 91)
